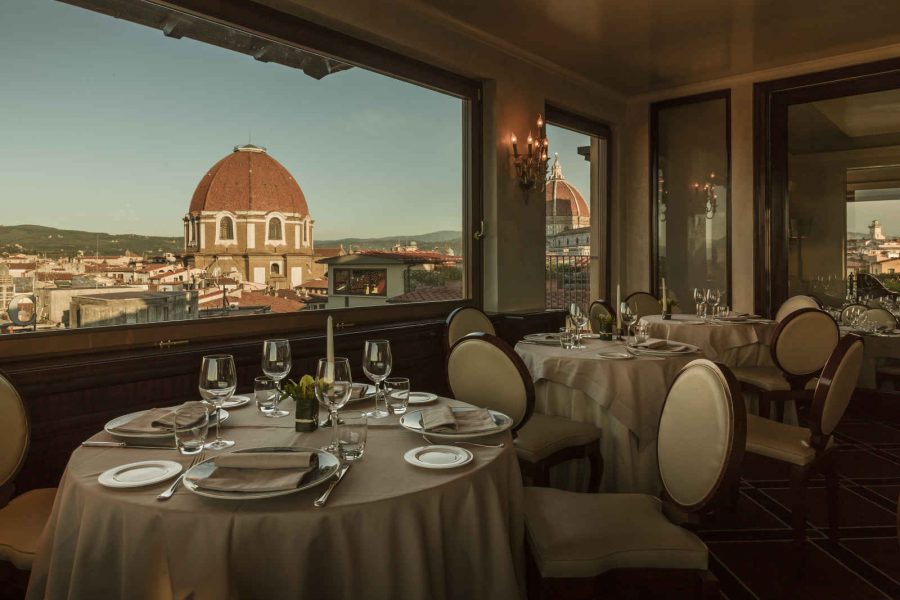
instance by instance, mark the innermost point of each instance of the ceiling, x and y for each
(638, 46)
(846, 123)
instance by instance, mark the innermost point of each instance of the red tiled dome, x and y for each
(569, 201)
(249, 179)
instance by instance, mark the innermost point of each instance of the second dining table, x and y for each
(741, 342)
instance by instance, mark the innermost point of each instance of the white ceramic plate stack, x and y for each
(139, 474)
(438, 457)
(421, 398)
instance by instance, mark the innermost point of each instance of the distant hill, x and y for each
(425, 241)
(37, 239)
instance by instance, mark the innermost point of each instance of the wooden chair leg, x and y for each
(541, 474)
(765, 407)
(798, 504)
(595, 458)
(708, 586)
(832, 490)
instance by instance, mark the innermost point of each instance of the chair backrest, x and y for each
(882, 317)
(795, 303)
(803, 341)
(485, 371)
(643, 304)
(600, 308)
(466, 320)
(14, 431)
(835, 388)
(850, 313)
(702, 433)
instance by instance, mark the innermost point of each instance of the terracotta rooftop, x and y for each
(429, 294)
(318, 284)
(329, 252)
(249, 179)
(279, 305)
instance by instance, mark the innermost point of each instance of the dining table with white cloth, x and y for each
(623, 398)
(878, 350)
(389, 530)
(733, 343)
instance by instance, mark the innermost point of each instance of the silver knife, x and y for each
(91, 444)
(340, 475)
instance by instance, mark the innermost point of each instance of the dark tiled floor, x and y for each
(752, 552)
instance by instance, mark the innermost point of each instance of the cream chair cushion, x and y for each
(13, 431)
(841, 390)
(805, 342)
(21, 524)
(584, 535)
(643, 304)
(780, 441)
(770, 379)
(466, 321)
(793, 304)
(695, 431)
(544, 435)
(882, 317)
(482, 374)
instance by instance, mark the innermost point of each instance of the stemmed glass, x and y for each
(333, 386)
(579, 319)
(628, 317)
(713, 299)
(698, 301)
(218, 379)
(276, 363)
(377, 363)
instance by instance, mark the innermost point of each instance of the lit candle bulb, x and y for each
(515, 146)
(530, 144)
(540, 121)
(543, 156)
(546, 142)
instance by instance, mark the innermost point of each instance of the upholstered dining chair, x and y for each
(465, 320)
(801, 345)
(586, 542)
(22, 519)
(485, 371)
(882, 317)
(795, 303)
(851, 312)
(643, 304)
(598, 309)
(810, 449)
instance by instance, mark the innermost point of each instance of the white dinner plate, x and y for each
(138, 474)
(413, 422)
(438, 457)
(615, 355)
(674, 349)
(151, 436)
(593, 336)
(368, 394)
(548, 339)
(328, 466)
(236, 402)
(421, 397)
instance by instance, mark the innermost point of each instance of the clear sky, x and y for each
(108, 126)
(576, 170)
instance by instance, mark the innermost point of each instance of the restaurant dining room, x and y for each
(483, 299)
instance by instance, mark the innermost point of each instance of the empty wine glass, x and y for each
(628, 317)
(713, 299)
(218, 379)
(579, 320)
(333, 385)
(377, 363)
(698, 301)
(276, 363)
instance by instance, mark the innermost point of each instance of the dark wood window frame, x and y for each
(655, 108)
(294, 31)
(771, 101)
(561, 117)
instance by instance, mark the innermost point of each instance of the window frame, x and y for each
(291, 30)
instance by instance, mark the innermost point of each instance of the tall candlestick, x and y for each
(515, 146)
(329, 350)
(618, 307)
(664, 298)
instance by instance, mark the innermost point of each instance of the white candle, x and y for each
(618, 307)
(664, 295)
(329, 350)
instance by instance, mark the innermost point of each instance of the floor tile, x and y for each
(883, 554)
(870, 433)
(853, 510)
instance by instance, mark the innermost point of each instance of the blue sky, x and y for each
(108, 126)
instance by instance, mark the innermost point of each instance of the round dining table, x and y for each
(389, 530)
(733, 343)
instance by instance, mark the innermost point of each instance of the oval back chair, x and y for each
(485, 371)
(15, 428)
(852, 312)
(882, 317)
(643, 304)
(803, 342)
(598, 309)
(835, 388)
(702, 433)
(795, 303)
(466, 320)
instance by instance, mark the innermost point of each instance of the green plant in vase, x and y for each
(670, 304)
(306, 413)
(605, 327)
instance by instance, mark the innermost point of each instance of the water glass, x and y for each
(334, 382)
(218, 379)
(351, 434)
(567, 338)
(641, 332)
(396, 391)
(579, 320)
(628, 318)
(721, 312)
(276, 363)
(698, 301)
(266, 394)
(191, 425)
(377, 365)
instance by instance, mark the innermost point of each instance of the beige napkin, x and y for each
(161, 420)
(259, 471)
(444, 420)
(654, 344)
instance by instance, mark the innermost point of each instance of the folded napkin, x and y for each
(654, 344)
(162, 420)
(259, 471)
(444, 420)
(358, 391)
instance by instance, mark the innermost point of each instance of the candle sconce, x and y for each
(709, 188)
(531, 165)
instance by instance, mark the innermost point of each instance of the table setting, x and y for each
(394, 486)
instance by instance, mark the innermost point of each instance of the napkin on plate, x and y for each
(162, 420)
(444, 420)
(654, 344)
(259, 471)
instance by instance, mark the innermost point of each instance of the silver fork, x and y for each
(500, 445)
(171, 489)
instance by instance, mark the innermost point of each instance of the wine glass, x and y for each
(333, 386)
(377, 363)
(698, 301)
(276, 363)
(579, 319)
(713, 299)
(218, 379)
(628, 317)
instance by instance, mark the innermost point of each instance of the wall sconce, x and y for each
(709, 188)
(663, 196)
(531, 166)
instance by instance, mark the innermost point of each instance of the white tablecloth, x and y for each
(878, 350)
(390, 530)
(733, 344)
(622, 397)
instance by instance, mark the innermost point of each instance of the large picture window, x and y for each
(213, 152)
